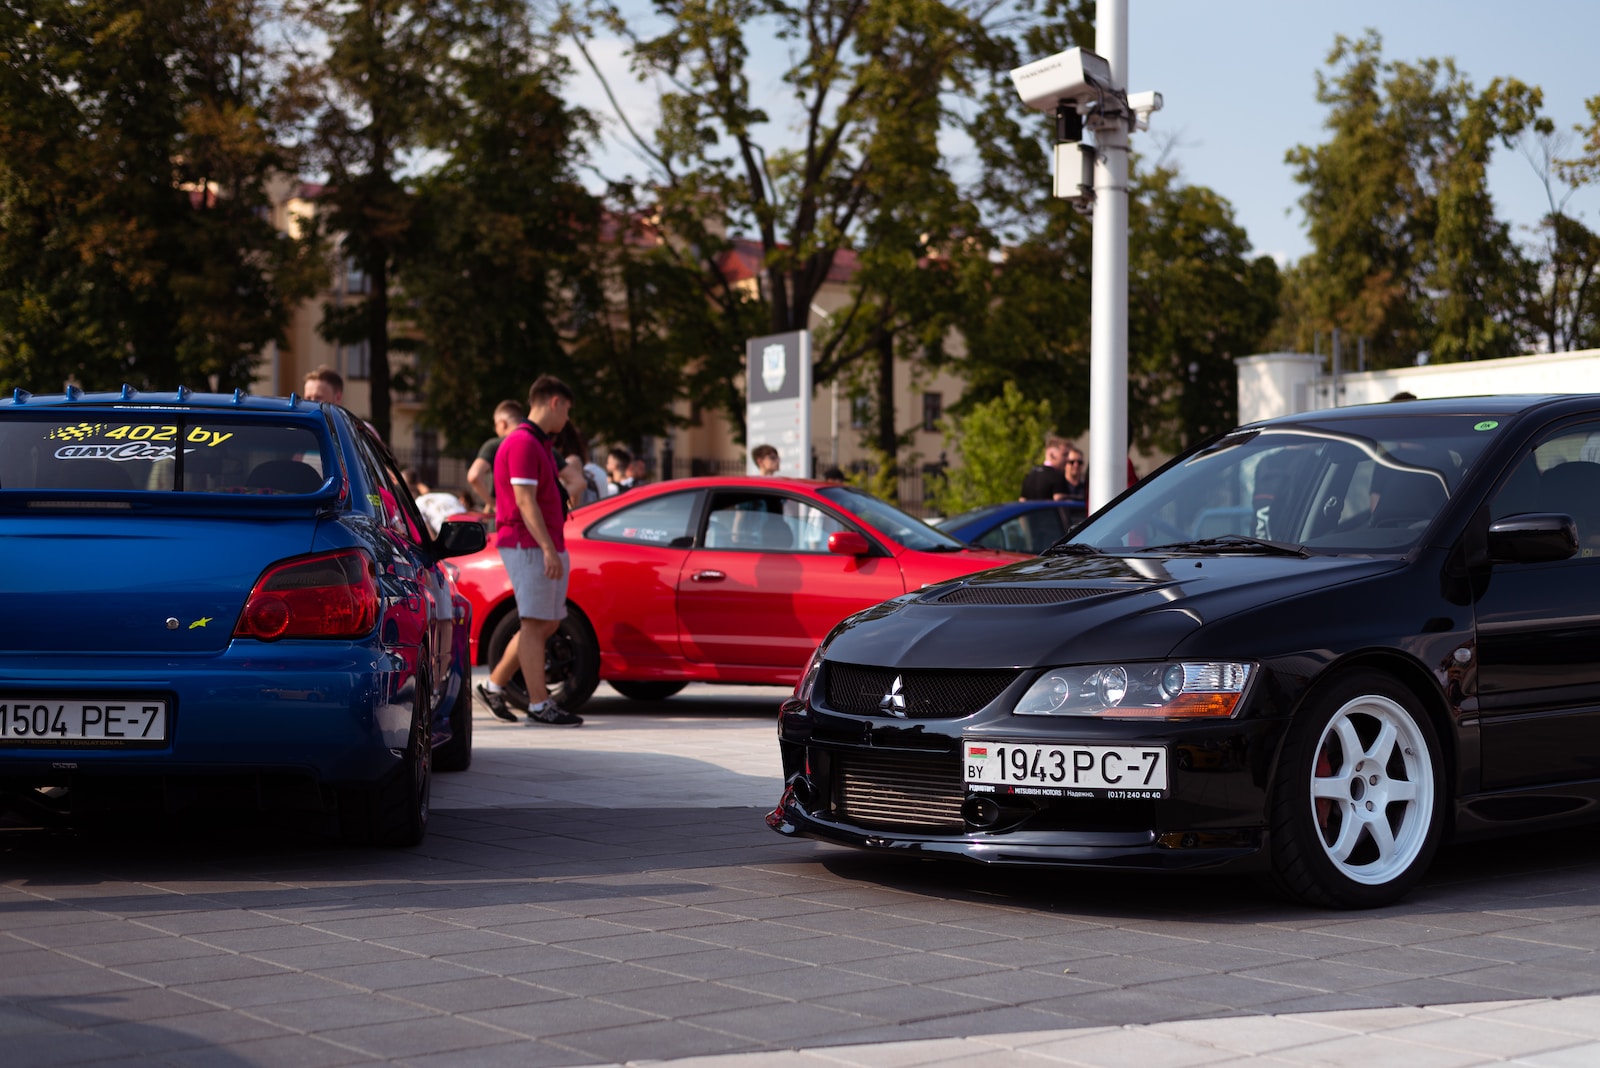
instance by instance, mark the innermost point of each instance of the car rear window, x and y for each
(160, 451)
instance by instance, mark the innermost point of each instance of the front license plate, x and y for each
(44, 721)
(1111, 771)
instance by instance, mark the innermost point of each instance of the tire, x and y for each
(394, 810)
(1359, 800)
(647, 690)
(456, 754)
(571, 659)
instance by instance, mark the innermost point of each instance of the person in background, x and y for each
(1075, 469)
(834, 474)
(480, 476)
(529, 531)
(323, 385)
(617, 461)
(766, 459)
(580, 485)
(1045, 481)
(637, 475)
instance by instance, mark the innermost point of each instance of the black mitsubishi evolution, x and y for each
(1315, 646)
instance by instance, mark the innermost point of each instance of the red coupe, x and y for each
(715, 580)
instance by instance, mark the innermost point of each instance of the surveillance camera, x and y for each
(1143, 105)
(1075, 76)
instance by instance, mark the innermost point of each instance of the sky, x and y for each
(1238, 81)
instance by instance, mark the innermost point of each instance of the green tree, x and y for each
(374, 94)
(998, 440)
(135, 151)
(1407, 252)
(1197, 301)
(861, 77)
(492, 263)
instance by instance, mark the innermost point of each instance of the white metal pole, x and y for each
(1108, 304)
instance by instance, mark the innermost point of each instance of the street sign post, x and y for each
(778, 400)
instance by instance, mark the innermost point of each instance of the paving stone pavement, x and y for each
(610, 895)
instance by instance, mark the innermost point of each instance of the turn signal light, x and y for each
(330, 595)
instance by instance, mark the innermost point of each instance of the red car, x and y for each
(715, 580)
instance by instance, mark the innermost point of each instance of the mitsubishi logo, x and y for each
(894, 702)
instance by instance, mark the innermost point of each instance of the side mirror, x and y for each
(848, 543)
(459, 539)
(1533, 538)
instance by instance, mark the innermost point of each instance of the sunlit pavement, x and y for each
(609, 894)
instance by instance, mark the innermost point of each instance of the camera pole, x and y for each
(1108, 301)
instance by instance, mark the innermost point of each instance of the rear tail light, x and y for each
(331, 595)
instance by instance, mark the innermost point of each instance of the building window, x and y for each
(355, 361)
(932, 411)
(860, 413)
(356, 282)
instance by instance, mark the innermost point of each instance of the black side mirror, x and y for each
(459, 539)
(1533, 538)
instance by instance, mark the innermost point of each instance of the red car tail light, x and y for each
(331, 595)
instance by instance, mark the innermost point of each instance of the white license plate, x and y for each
(42, 721)
(1113, 771)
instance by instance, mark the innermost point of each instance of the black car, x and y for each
(1317, 646)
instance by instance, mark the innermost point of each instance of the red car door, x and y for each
(761, 589)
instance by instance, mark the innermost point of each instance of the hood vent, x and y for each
(1019, 594)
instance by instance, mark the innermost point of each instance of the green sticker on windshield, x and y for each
(1487, 424)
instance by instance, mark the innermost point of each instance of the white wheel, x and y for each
(1358, 801)
(1372, 790)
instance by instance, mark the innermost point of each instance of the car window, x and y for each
(1361, 485)
(653, 521)
(768, 522)
(394, 498)
(143, 451)
(1560, 474)
(1028, 532)
(908, 530)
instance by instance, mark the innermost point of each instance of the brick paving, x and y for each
(611, 896)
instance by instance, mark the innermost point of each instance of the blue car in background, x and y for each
(1015, 526)
(223, 601)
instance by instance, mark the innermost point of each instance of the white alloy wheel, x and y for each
(1372, 790)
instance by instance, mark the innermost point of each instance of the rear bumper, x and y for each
(320, 712)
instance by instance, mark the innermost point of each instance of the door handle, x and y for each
(707, 576)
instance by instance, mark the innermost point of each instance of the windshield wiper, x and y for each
(1241, 543)
(1071, 548)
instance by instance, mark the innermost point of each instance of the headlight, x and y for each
(1151, 691)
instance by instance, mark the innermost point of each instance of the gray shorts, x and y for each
(537, 597)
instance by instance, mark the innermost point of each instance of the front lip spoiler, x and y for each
(1111, 850)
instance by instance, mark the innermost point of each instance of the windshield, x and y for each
(908, 530)
(1344, 485)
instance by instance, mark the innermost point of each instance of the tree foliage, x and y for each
(496, 250)
(999, 440)
(135, 147)
(374, 91)
(1407, 252)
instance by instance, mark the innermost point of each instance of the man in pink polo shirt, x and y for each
(529, 519)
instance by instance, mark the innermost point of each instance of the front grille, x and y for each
(923, 694)
(899, 790)
(1019, 594)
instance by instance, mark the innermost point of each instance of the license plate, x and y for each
(1111, 771)
(98, 722)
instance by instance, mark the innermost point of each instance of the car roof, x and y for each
(1502, 405)
(238, 400)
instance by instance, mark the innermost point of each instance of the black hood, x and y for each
(1080, 609)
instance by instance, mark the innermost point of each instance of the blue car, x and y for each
(1015, 526)
(223, 600)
